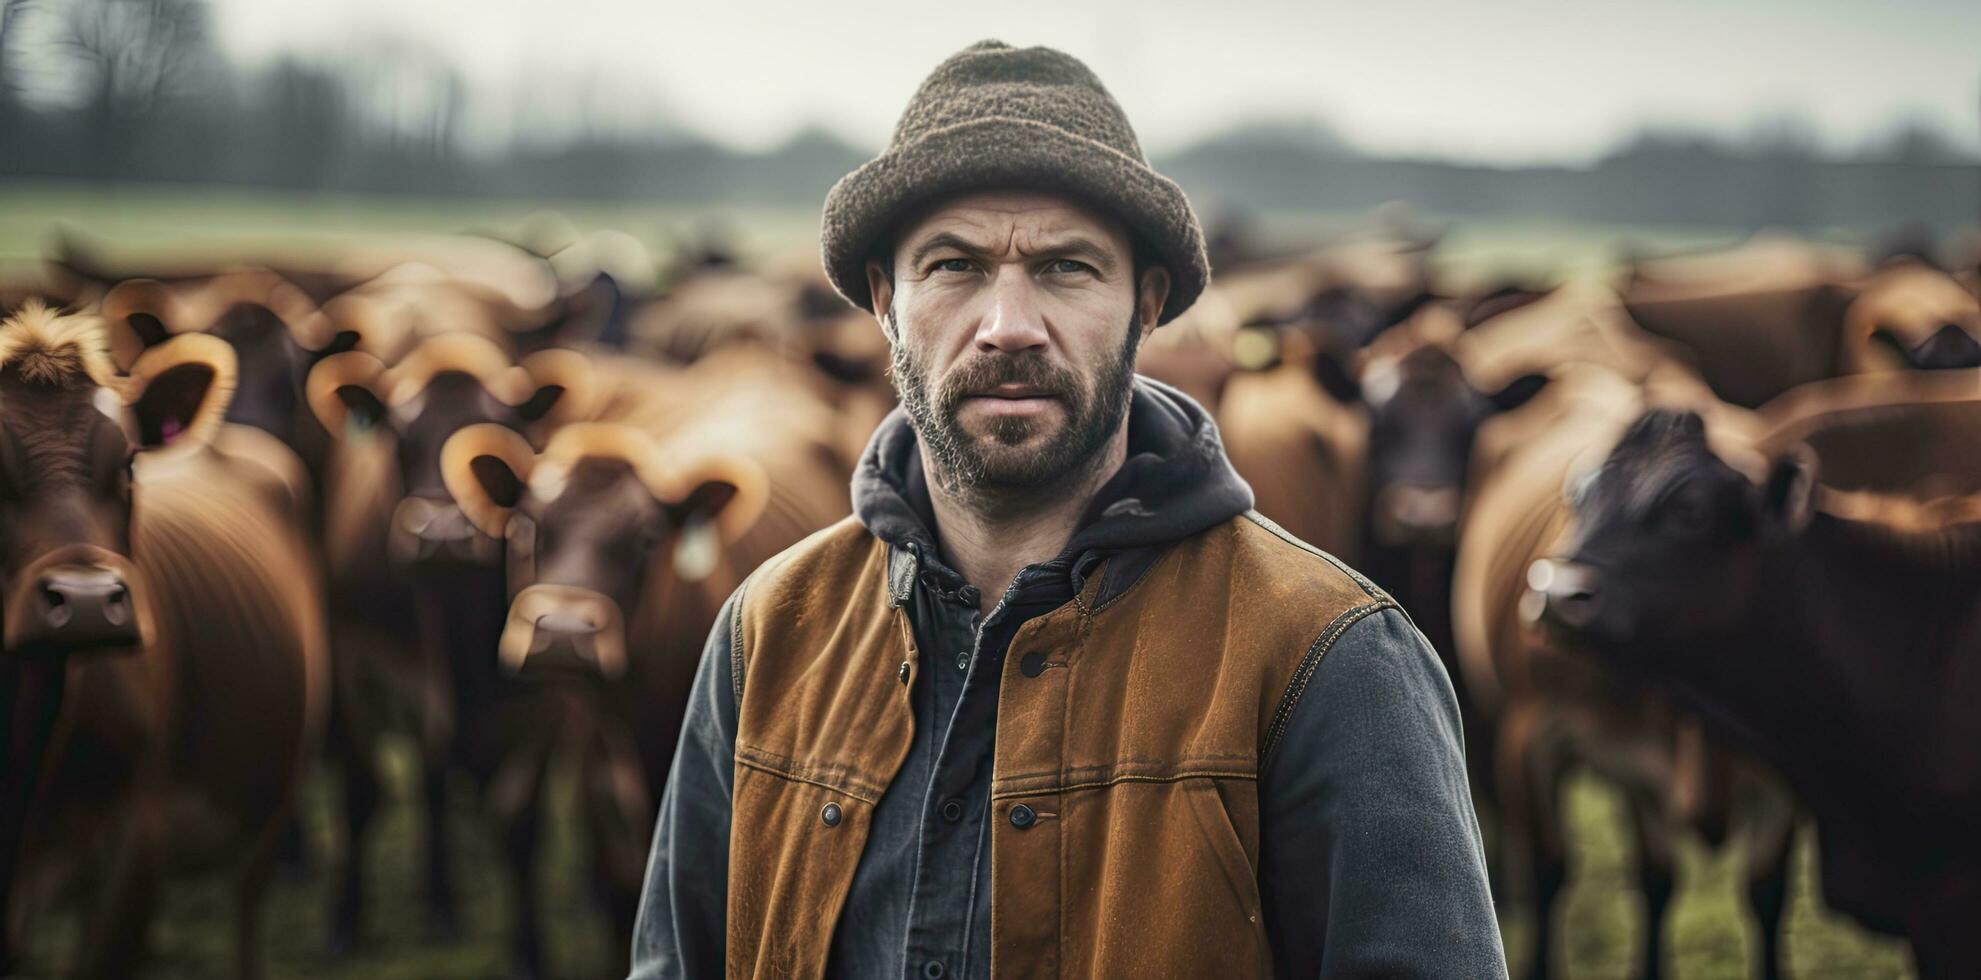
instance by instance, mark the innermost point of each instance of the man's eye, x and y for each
(953, 265)
(1063, 266)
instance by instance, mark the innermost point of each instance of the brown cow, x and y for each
(163, 653)
(416, 590)
(1550, 709)
(1831, 632)
(622, 542)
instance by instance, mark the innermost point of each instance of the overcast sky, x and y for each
(1505, 81)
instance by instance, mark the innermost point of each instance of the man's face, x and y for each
(1014, 318)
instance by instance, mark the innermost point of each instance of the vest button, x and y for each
(1023, 817)
(904, 672)
(952, 811)
(933, 970)
(1032, 664)
(830, 815)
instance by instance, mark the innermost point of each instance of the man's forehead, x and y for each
(1021, 219)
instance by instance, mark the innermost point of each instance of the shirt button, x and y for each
(963, 660)
(830, 815)
(1032, 664)
(1023, 817)
(952, 811)
(933, 970)
(904, 671)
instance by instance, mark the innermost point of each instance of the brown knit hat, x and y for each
(996, 116)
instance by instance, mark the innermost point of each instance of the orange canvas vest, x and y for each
(1135, 751)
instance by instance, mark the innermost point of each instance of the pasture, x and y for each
(1710, 934)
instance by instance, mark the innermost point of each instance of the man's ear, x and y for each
(1789, 494)
(1150, 294)
(880, 285)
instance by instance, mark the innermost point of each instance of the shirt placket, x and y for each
(948, 876)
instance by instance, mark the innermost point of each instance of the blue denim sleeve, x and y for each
(680, 931)
(1370, 856)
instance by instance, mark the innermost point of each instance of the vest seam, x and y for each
(1119, 765)
(1266, 523)
(1125, 778)
(1297, 686)
(772, 764)
(736, 656)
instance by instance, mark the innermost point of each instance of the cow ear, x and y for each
(699, 528)
(730, 490)
(562, 386)
(178, 392)
(486, 468)
(1505, 299)
(134, 313)
(342, 390)
(1788, 496)
(1518, 392)
(1335, 377)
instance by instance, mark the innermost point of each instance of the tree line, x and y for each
(139, 90)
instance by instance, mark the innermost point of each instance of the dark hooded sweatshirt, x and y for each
(1370, 860)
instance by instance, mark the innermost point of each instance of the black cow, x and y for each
(1847, 652)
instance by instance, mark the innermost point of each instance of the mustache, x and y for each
(988, 371)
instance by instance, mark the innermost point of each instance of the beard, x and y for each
(999, 461)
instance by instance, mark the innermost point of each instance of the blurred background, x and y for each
(1539, 140)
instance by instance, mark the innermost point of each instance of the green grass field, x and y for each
(1710, 934)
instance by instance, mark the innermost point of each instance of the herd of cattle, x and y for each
(1712, 530)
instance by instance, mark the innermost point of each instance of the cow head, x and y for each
(275, 329)
(1920, 314)
(588, 524)
(70, 429)
(1423, 416)
(448, 383)
(1669, 539)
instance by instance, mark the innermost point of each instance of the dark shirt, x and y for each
(1370, 861)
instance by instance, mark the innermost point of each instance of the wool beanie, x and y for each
(994, 116)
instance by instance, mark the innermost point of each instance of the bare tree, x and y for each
(11, 13)
(136, 52)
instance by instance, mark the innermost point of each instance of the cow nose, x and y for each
(437, 530)
(1560, 592)
(1948, 348)
(82, 607)
(1418, 512)
(563, 643)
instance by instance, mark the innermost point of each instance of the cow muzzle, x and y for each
(429, 530)
(78, 600)
(561, 630)
(1560, 593)
(1414, 514)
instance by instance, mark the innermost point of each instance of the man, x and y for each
(1054, 701)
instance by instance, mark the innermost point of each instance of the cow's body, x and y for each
(1840, 642)
(1550, 709)
(182, 753)
(603, 640)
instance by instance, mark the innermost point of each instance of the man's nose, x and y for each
(1014, 321)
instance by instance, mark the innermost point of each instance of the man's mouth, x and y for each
(1010, 399)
